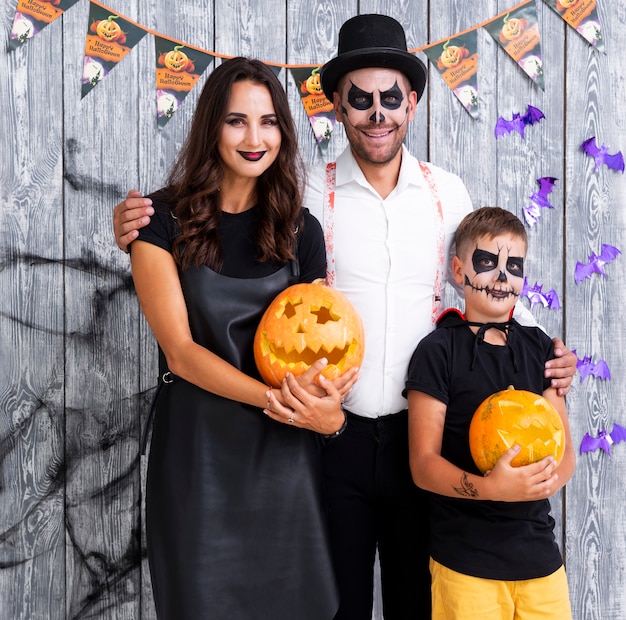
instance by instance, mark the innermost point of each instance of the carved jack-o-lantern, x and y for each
(304, 323)
(312, 85)
(176, 60)
(512, 417)
(108, 30)
(563, 5)
(451, 56)
(513, 29)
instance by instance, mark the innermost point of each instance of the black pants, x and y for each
(372, 502)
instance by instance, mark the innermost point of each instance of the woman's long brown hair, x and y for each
(195, 178)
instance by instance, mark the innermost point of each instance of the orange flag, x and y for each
(517, 32)
(33, 15)
(178, 68)
(581, 15)
(318, 108)
(456, 59)
(109, 38)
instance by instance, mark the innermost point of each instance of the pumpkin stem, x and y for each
(112, 17)
(510, 387)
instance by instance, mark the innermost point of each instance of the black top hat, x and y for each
(372, 41)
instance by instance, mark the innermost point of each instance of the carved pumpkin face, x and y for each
(512, 417)
(452, 55)
(312, 85)
(514, 28)
(176, 60)
(108, 30)
(304, 323)
(566, 4)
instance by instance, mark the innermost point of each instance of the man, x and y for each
(389, 222)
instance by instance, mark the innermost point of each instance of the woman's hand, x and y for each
(343, 384)
(307, 403)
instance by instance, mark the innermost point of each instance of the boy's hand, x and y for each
(521, 484)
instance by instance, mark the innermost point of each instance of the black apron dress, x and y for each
(235, 525)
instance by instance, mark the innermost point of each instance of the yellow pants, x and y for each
(462, 597)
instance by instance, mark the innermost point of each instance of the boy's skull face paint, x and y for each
(485, 262)
(361, 100)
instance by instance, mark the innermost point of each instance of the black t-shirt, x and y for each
(493, 540)
(237, 231)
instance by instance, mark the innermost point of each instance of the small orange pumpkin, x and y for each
(304, 323)
(512, 417)
(109, 30)
(513, 29)
(451, 56)
(563, 5)
(176, 60)
(312, 84)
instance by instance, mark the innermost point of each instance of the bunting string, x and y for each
(111, 36)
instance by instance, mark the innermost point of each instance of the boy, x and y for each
(493, 551)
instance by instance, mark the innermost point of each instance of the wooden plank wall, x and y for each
(78, 363)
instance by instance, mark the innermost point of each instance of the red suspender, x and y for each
(329, 222)
(440, 275)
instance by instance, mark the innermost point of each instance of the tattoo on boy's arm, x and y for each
(467, 489)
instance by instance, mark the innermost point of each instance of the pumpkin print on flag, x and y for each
(512, 417)
(178, 69)
(317, 107)
(304, 323)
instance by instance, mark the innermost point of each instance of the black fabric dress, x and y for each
(235, 525)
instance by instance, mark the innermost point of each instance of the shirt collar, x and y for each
(349, 171)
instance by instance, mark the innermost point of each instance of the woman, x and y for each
(234, 519)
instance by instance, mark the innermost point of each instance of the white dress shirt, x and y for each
(386, 264)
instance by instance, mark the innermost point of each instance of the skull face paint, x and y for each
(362, 100)
(498, 268)
(375, 105)
(483, 261)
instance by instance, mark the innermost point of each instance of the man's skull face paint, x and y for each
(362, 100)
(377, 102)
(498, 274)
(375, 106)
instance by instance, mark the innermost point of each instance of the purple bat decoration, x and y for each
(596, 263)
(518, 122)
(586, 367)
(604, 440)
(601, 155)
(539, 200)
(537, 296)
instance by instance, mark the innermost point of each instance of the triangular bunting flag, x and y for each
(31, 16)
(456, 59)
(318, 108)
(583, 17)
(109, 38)
(517, 32)
(178, 68)
(275, 68)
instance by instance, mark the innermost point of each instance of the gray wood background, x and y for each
(78, 363)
